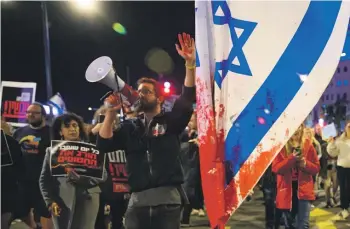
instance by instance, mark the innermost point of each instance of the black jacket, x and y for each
(11, 175)
(190, 161)
(153, 155)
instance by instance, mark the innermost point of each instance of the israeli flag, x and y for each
(58, 104)
(261, 66)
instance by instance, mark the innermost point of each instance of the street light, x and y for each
(343, 54)
(90, 109)
(85, 5)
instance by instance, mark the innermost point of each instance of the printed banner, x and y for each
(83, 157)
(6, 157)
(268, 72)
(15, 99)
(117, 171)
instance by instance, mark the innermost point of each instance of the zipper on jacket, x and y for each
(149, 154)
(149, 159)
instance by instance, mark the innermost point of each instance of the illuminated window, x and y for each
(338, 83)
(346, 83)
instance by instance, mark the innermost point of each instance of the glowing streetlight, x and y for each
(343, 54)
(85, 5)
(90, 109)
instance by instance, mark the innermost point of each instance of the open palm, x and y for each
(187, 48)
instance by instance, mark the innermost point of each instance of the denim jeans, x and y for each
(269, 198)
(155, 217)
(304, 207)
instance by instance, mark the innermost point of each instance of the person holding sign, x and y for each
(295, 167)
(341, 148)
(72, 199)
(152, 148)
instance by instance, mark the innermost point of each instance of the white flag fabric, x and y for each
(268, 63)
(57, 102)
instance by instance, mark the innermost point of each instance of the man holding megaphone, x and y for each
(152, 147)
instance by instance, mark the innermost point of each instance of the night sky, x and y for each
(77, 39)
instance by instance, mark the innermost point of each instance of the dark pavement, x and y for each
(251, 215)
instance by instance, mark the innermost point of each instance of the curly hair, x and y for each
(66, 119)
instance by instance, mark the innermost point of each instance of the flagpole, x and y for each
(46, 38)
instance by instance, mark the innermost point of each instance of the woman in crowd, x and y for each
(295, 167)
(73, 200)
(341, 148)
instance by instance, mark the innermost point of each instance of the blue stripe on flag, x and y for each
(198, 63)
(59, 109)
(300, 57)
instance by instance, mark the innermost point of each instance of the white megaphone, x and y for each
(101, 70)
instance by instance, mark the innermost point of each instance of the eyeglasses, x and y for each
(145, 91)
(33, 112)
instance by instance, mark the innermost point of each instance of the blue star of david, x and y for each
(237, 42)
(197, 58)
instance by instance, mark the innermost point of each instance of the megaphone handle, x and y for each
(130, 93)
(106, 95)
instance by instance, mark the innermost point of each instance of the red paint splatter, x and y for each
(221, 110)
(261, 120)
(249, 175)
(287, 132)
(210, 152)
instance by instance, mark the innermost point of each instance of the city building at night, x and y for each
(337, 90)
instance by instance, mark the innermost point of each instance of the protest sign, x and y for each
(117, 171)
(15, 99)
(82, 157)
(329, 131)
(6, 158)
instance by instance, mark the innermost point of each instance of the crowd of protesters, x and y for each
(306, 165)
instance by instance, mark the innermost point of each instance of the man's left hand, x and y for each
(187, 48)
